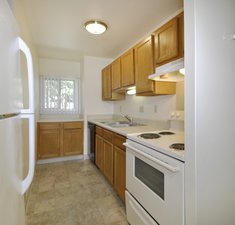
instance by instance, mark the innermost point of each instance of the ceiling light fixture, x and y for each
(95, 27)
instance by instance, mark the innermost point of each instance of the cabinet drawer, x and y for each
(73, 125)
(108, 135)
(99, 131)
(118, 141)
(49, 126)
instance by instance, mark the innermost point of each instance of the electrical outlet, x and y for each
(155, 109)
(141, 109)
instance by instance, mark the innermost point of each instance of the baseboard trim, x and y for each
(62, 159)
(86, 156)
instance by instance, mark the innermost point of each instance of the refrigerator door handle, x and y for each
(25, 49)
(29, 178)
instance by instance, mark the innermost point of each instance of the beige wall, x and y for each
(92, 94)
(58, 67)
(92, 86)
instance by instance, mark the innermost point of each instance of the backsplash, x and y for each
(152, 108)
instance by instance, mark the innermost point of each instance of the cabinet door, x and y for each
(107, 93)
(99, 158)
(120, 172)
(116, 74)
(181, 34)
(72, 138)
(106, 83)
(108, 160)
(144, 65)
(127, 69)
(48, 140)
(166, 42)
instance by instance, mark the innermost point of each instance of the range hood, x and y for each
(167, 68)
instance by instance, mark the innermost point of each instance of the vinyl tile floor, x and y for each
(73, 193)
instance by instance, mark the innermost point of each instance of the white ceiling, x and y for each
(57, 25)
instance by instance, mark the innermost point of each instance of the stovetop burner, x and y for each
(177, 146)
(166, 133)
(149, 136)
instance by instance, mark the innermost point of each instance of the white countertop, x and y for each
(123, 130)
(59, 118)
(162, 144)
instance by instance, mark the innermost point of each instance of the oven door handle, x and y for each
(153, 159)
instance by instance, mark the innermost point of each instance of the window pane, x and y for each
(67, 95)
(51, 94)
(59, 95)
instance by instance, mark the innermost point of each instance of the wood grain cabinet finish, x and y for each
(120, 172)
(116, 74)
(48, 140)
(108, 160)
(144, 65)
(107, 93)
(106, 83)
(169, 41)
(111, 158)
(72, 138)
(119, 166)
(99, 158)
(127, 69)
(59, 139)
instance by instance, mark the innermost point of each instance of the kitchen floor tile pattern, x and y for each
(73, 193)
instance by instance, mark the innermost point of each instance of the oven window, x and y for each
(150, 176)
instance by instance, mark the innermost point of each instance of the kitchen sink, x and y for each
(122, 124)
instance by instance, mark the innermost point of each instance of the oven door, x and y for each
(156, 181)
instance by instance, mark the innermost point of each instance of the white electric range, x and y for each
(155, 178)
(161, 141)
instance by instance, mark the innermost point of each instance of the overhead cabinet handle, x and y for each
(153, 159)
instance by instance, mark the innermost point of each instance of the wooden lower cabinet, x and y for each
(59, 139)
(120, 172)
(111, 158)
(108, 160)
(99, 157)
(72, 138)
(48, 140)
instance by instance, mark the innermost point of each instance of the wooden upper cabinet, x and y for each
(181, 34)
(107, 93)
(106, 83)
(127, 69)
(144, 65)
(169, 41)
(116, 74)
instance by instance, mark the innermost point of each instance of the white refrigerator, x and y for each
(13, 183)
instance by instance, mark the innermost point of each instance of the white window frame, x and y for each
(77, 89)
